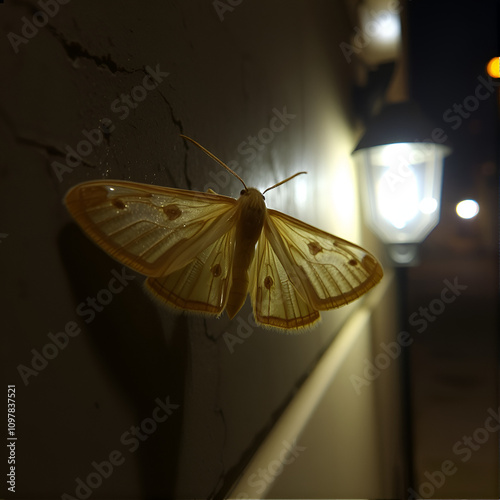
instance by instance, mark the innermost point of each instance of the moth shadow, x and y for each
(123, 330)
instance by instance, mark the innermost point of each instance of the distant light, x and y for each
(467, 209)
(493, 67)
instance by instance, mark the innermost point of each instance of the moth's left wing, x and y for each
(327, 271)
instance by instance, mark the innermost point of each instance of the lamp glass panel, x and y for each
(402, 189)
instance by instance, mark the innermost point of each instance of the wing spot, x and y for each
(314, 247)
(117, 203)
(172, 212)
(353, 262)
(216, 270)
(268, 282)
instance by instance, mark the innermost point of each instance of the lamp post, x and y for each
(402, 178)
(401, 159)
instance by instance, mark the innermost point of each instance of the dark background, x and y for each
(454, 366)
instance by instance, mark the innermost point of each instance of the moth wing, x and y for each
(326, 271)
(203, 284)
(275, 300)
(153, 230)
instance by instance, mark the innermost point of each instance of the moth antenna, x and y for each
(220, 162)
(283, 182)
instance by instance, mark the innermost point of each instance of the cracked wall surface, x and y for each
(103, 90)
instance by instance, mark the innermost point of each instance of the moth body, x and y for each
(251, 215)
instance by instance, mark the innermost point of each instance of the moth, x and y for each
(204, 252)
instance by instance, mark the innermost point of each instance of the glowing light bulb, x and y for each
(467, 209)
(399, 204)
(388, 27)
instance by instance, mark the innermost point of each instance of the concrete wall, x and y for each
(229, 74)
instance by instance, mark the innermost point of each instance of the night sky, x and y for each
(450, 44)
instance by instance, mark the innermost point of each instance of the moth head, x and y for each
(248, 191)
(251, 197)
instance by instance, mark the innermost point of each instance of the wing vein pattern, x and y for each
(300, 270)
(153, 230)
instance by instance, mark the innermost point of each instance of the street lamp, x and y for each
(402, 178)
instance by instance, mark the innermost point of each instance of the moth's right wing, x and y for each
(300, 270)
(276, 303)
